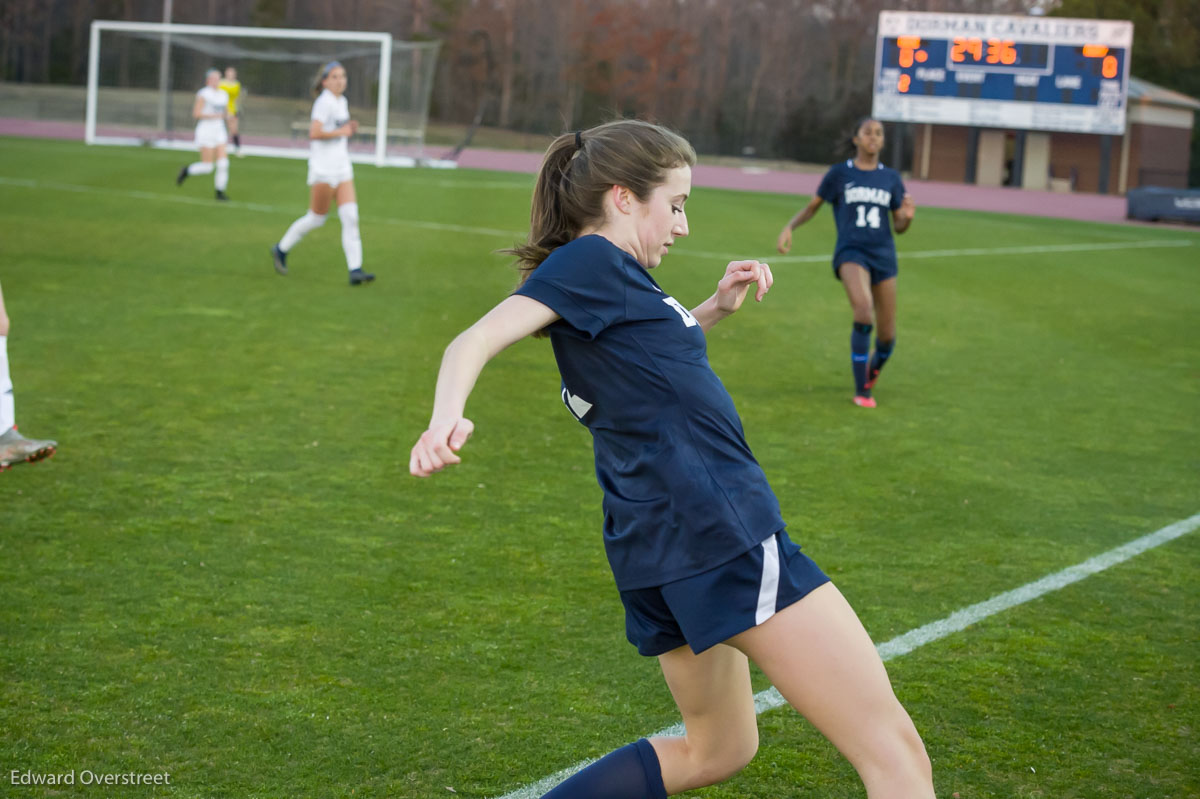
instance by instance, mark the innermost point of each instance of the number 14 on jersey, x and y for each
(868, 216)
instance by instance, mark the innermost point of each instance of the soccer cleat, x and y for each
(182, 176)
(864, 402)
(222, 196)
(358, 277)
(280, 258)
(872, 378)
(16, 448)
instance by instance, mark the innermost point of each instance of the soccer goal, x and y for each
(143, 78)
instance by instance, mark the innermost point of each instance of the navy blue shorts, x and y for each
(708, 608)
(881, 265)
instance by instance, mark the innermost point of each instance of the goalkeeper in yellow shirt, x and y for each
(233, 87)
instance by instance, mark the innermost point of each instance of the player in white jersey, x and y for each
(14, 447)
(210, 110)
(330, 174)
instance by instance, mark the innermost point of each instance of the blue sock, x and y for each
(860, 353)
(883, 351)
(631, 772)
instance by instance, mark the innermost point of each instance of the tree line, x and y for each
(775, 78)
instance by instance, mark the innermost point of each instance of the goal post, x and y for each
(142, 79)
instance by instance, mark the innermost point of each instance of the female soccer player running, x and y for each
(330, 174)
(693, 533)
(862, 191)
(210, 110)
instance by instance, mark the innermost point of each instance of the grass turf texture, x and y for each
(227, 574)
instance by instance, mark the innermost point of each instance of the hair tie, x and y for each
(578, 140)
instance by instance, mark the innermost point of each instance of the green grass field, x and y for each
(226, 573)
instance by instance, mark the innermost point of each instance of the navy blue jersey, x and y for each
(862, 201)
(682, 492)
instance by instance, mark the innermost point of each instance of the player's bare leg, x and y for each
(856, 280)
(822, 661)
(714, 695)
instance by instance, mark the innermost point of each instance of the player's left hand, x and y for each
(739, 275)
(907, 209)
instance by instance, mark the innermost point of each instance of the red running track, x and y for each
(1086, 207)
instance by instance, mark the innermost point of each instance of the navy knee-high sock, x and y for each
(883, 351)
(860, 352)
(631, 772)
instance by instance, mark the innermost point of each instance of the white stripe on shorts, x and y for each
(768, 590)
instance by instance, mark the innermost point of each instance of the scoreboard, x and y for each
(1027, 73)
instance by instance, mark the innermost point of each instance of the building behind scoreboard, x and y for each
(1154, 150)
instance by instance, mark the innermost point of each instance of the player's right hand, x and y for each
(436, 448)
(785, 240)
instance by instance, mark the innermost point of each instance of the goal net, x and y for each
(143, 78)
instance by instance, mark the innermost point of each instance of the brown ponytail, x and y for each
(579, 168)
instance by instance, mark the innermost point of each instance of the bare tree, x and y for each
(774, 75)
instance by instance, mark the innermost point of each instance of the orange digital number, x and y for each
(961, 48)
(905, 82)
(910, 51)
(1108, 66)
(1001, 51)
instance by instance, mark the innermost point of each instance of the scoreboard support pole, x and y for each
(1036, 158)
(926, 151)
(972, 154)
(1016, 174)
(1105, 162)
(990, 162)
(1123, 174)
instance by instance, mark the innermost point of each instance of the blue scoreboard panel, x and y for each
(1025, 73)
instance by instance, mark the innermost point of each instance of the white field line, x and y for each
(289, 210)
(1035, 249)
(522, 182)
(293, 210)
(955, 622)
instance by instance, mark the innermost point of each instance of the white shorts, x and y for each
(333, 177)
(211, 133)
